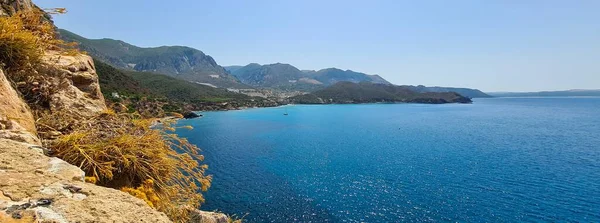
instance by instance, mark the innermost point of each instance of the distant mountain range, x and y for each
(193, 65)
(287, 77)
(547, 93)
(177, 61)
(366, 92)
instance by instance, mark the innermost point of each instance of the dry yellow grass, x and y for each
(122, 152)
(18, 45)
(24, 37)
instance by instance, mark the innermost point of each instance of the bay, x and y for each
(498, 159)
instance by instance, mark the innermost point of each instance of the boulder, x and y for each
(50, 190)
(198, 216)
(190, 115)
(77, 89)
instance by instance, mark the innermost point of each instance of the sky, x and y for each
(510, 45)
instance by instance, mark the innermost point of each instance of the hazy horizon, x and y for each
(492, 46)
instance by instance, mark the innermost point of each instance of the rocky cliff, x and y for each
(45, 189)
(35, 187)
(42, 189)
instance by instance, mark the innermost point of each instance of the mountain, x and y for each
(177, 61)
(366, 92)
(279, 76)
(288, 77)
(331, 76)
(566, 93)
(467, 92)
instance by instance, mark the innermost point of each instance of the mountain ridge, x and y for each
(177, 61)
(287, 76)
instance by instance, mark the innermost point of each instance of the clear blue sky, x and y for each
(510, 45)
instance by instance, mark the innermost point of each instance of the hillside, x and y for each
(567, 93)
(366, 92)
(331, 76)
(288, 77)
(279, 76)
(177, 61)
(173, 93)
(467, 92)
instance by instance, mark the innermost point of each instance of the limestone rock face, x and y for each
(9, 7)
(16, 120)
(50, 190)
(77, 88)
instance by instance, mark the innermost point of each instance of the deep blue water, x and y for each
(496, 160)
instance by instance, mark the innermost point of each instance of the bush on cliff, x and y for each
(123, 152)
(24, 36)
(18, 45)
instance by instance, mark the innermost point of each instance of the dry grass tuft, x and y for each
(24, 37)
(121, 151)
(18, 45)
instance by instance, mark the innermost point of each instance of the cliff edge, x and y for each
(39, 188)
(38, 106)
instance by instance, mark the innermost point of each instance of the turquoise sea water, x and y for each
(496, 160)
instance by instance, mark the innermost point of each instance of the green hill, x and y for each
(171, 93)
(366, 92)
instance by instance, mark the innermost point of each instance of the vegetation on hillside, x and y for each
(141, 92)
(366, 92)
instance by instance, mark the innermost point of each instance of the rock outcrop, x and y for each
(37, 188)
(9, 7)
(16, 120)
(198, 216)
(76, 84)
(44, 189)
(50, 190)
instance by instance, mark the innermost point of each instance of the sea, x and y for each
(495, 160)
